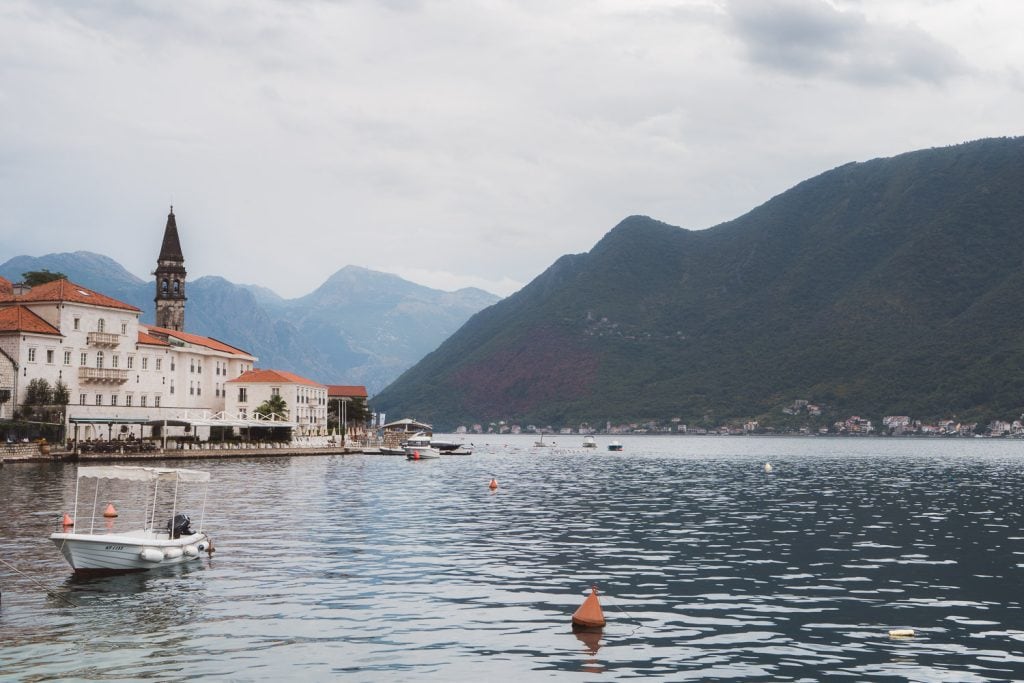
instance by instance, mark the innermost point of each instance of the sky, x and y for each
(460, 143)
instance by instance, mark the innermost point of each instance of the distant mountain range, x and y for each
(893, 286)
(359, 327)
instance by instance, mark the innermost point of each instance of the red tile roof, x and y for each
(21, 319)
(346, 390)
(195, 339)
(6, 287)
(274, 377)
(150, 339)
(65, 290)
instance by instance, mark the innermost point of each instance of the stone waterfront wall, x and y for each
(22, 451)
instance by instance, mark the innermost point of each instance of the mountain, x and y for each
(891, 286)
(359, 327)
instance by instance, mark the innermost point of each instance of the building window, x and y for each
(99, 399)
(145, 362)
(49, 356)
(143, 400)
(78, 323)
(191, 389)
(172, 386)
(101, 325)
(172, 365)
(192, 365)
(99, 359)
(275, 391)
(32, 355)
(114, 360)
(81, 399)
(128, 399)
(158, 364)
(67, 358)
(131, 362)
(83, 359)
(243, 395)
(156, 401)
(199, 390)
(113, 399)
(124, 328)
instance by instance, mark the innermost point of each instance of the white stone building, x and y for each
(114, 367)
(306, 400)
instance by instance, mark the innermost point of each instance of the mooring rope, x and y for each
(637, 624)
(49, 591)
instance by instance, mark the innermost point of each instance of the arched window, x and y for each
(99, 359)
(177, 286)
(163, 285)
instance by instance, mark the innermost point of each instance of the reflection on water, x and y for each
(708, 566)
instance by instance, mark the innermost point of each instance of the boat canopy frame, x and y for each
(141, 474)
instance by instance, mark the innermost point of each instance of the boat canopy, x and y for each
(142, 473)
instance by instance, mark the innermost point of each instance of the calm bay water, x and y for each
(375, 568)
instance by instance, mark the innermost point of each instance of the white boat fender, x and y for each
(151, 555)
(191, 550)
(172, 553)
(901, 633)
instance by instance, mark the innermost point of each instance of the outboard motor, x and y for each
(179, 526)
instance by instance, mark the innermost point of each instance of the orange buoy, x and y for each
(110, 511)
(493, 485)
(67, 521)
(415, 455)
(589, 615)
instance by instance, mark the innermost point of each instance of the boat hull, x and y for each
(112, 553)
(421, 453)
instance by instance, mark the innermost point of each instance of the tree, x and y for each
(356, 412)
(61, 394)
(275, 406)
(41, 277)
(38, 393)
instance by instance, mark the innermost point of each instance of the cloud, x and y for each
(813, 38)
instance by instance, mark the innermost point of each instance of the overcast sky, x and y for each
(460, 143)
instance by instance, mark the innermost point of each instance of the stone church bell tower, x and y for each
(170, 280)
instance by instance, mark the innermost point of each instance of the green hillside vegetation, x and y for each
(893, 286)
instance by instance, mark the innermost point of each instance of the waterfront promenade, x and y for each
(34, 453)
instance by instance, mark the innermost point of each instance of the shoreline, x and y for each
(183, 454)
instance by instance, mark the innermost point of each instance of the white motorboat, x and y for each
(615, 446)
(417, 447)
(159, 540)
(589, 442)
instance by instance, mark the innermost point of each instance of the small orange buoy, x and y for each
(415, 455)
(589, 615)
(110, 511)
(67, 521)
(493, 485)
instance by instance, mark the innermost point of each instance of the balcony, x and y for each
(102, 339)
(103, 375)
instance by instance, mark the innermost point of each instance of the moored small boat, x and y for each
(615, 446)
(418, 447)
(152, 544)
(589, 442)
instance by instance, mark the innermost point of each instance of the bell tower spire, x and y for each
(170, 280)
